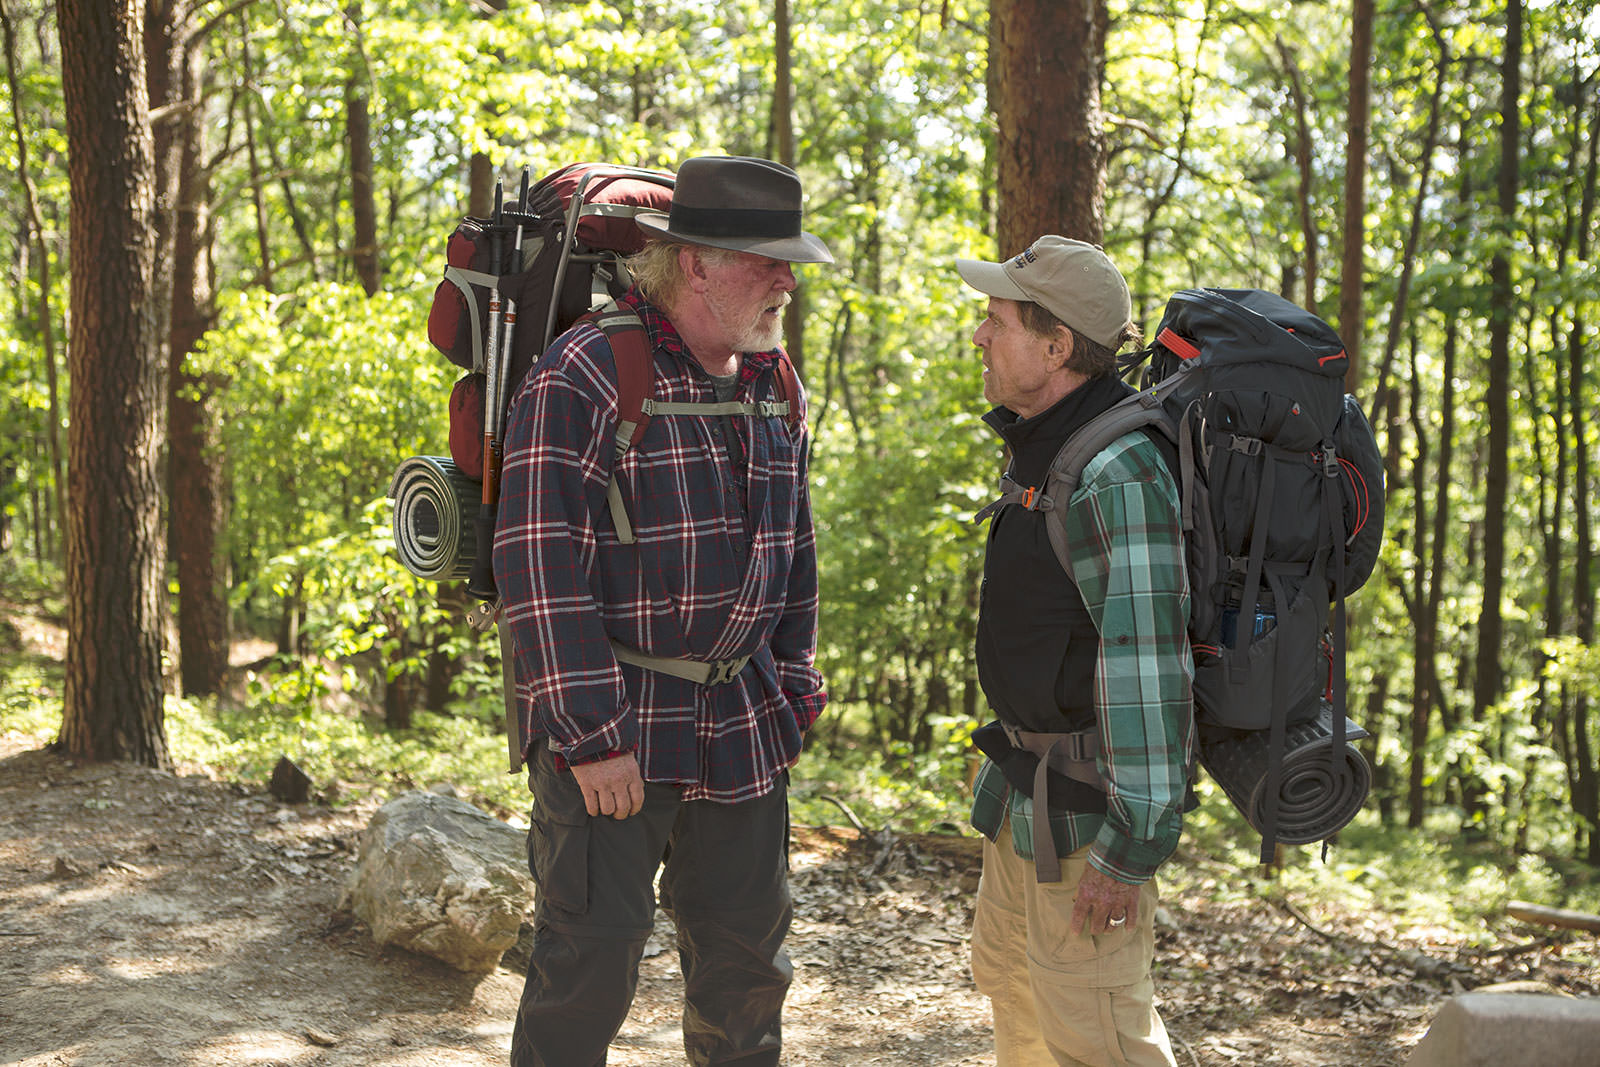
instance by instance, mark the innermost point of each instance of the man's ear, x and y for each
(1060, 349)
(693, 266)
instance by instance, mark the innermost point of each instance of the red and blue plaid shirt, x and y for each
(724, 566)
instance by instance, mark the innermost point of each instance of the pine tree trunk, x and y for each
(358, 132)
(112, 696)
(1352, 321)
(195, 461)
(1044, 88)
(1488, 676)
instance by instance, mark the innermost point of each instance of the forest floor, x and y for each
(149, 918)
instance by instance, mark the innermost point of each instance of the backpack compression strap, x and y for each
(464, 279)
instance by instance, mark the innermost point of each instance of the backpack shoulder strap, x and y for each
(1142, 409)
(630, 349)
(786, 389)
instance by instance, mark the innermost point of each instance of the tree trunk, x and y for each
(112, 699)
(1302, 159)
(258, 201)
(358, 131)
(194, 457)
(1044, 89)
(782, 138)
(1352, 322)
(1586, 777)
(1487, 674)
(480, 185)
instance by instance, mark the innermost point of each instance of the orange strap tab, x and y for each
(1181, 346)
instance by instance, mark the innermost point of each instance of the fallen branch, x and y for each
(842, 806)
(1535, 945)
(1540, 915)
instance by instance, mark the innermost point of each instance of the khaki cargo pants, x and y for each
(1060, 999)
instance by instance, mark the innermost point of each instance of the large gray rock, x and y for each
(1512, 1030)
(439, 877)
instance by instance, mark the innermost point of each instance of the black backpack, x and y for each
(1281, 491)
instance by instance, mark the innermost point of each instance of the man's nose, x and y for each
(785, 281)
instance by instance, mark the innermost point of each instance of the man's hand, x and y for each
(1101, 900)
(611, 787)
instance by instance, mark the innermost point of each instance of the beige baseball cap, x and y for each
(1074, 281)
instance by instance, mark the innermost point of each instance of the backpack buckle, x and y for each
(725, 670)
(1250, 446)
(1330, 460)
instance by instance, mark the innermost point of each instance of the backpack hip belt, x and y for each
(1072, 754)
(716, 672)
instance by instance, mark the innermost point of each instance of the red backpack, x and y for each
(513, 283)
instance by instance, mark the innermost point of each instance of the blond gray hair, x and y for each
(658, 272)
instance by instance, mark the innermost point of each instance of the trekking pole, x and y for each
(481, 582)
(507, 353)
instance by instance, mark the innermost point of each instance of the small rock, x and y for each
(289, 783)
(319, 1037)
(65, 869)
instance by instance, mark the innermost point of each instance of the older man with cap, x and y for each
(666, 678)
(1095, 651)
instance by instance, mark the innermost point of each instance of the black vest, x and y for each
(1037, 646)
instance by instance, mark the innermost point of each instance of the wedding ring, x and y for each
(1117, 922)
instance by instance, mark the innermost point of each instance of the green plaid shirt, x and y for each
(1125, 555)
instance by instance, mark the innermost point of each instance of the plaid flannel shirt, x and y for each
(1126, 557)
(724, 566)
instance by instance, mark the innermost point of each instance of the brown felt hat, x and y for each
(736, 202)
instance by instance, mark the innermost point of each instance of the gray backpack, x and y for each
(1281, 492)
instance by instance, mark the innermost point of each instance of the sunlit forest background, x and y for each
(306, 162)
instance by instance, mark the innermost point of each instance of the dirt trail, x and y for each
(150, 919)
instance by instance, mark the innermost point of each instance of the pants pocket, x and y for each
(558, 838)
(558, 857)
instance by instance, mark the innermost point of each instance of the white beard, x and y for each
(750, 331)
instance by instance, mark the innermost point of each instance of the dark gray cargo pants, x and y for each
(725, 884)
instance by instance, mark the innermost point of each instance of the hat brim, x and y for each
(990, 279)
(803, 248)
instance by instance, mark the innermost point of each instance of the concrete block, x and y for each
(1512, 1030)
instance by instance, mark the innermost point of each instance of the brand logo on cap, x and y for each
(1024, 257)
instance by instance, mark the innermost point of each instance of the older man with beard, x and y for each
(665, 682)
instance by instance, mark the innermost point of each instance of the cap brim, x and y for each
(990, 279)
(803, 248)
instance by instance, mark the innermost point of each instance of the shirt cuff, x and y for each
(563, 763)
(802, 687)
(1124, 859)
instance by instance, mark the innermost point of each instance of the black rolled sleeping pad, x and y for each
(1317, 795)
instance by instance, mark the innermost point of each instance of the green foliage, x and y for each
(327, 391)
(890, 787)
(347, 757)
(321, 391)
